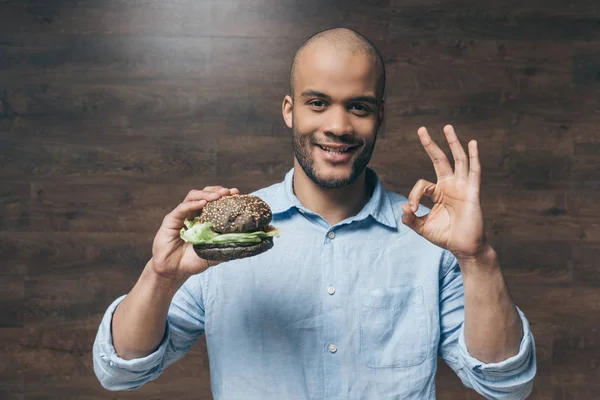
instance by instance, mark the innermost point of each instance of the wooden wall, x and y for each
(110, 111)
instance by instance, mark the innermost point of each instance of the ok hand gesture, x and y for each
(456, 221)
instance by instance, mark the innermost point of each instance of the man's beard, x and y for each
(303, 145)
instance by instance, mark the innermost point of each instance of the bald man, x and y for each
(364, 288)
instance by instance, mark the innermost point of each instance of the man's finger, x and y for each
(204, 195)
(221, 190)
(200, 195)
(441, 164)
(410, 219)
(422, 187)
(460, 157)
(474, 166)
(212, 188)
(175, 219)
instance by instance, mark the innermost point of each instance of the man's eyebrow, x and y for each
(366, 99)
(314, 93)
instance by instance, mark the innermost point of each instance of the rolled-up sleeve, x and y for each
(508, 379)
(185, 324)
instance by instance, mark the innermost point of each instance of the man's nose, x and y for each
(338, 121)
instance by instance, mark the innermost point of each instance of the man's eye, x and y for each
(360, 108)
(317, 103)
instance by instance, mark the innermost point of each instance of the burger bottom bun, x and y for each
(230, 251)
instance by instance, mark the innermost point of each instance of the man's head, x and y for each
(337, 84)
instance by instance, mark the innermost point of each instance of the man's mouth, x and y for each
(338, 149)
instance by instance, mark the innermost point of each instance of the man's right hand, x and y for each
(172, 258)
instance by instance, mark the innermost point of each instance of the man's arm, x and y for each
(158, 321)
(127, 353)
(493, 328)
(138, 324)
(511, 377)
(481, 312)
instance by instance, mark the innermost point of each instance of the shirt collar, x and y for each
(379, 205)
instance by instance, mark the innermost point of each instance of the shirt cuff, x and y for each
(513, 365)
(108, 354)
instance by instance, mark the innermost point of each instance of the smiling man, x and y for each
(363, 290)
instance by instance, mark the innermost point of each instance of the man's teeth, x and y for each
(335, 151)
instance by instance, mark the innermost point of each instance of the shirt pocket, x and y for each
(393, 327)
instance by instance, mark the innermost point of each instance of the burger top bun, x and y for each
(237, 214)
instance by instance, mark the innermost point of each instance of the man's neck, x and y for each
(334, 205)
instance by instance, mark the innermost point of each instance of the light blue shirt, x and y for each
(359, 310)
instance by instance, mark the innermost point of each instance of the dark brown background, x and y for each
(110, 111)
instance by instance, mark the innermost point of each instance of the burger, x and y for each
(232, 227)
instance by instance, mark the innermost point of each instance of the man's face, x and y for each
(335, 115)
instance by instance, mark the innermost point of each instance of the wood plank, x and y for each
(12, 297)
(533, 204)
(101, 207)
(590, 232)
(169, 102)
(480, 21)
(586, 391)
(576, 352)
(558, 304)
(111, 157)
(251, 163)
(176, 109)
(524, 65)
(268, 18)
(538, 229)
(577, 7)
(111, 17)
(585, 264)
(101, 59)
(58, 358)
(51, 300)
(585, 130)
(256, 18)
(540, 170)
(14, 210)
(586, 174)
(12, 384)
(585, 69)
(69, 273)
(536, 263)
(66, 254)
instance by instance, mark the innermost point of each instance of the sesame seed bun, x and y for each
(237, 214)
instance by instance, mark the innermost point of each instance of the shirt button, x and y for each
(332, 348)
(331, 290)
(331, 234)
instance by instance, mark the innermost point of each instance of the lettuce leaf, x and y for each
(203, 234)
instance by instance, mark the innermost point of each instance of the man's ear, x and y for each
(286, 110)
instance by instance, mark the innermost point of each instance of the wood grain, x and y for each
(12, 379)
(110, 112)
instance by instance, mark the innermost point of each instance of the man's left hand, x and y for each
(455, 222)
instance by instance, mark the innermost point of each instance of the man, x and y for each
(363, 290)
